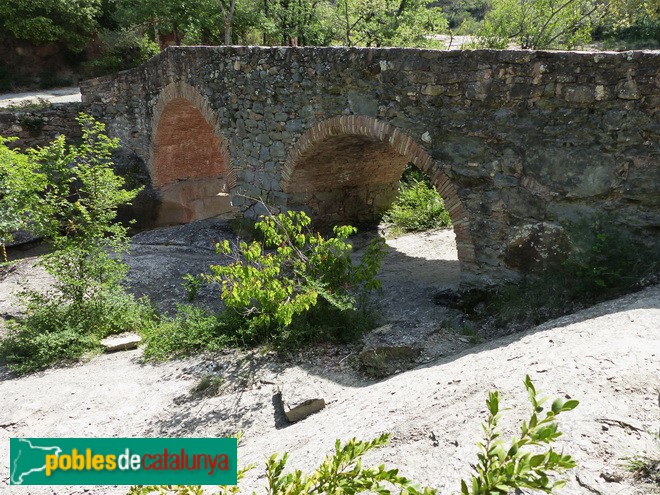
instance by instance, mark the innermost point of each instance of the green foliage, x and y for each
(419, 206)
(191, 330)
(292, 288)
(603, 262)
(459, 12)
(267, 289)
(388, 22)
(192, 285)
(80, 206)
(538, 24)
(123, 50)
(525, 463)
(631, 24)
(209, 385)
(20, 182)
(72, 22)
(300, 22)
(340, 473)
(164, 16)
(645, 466)
(52, 332)
(74, 199)
(504, 468)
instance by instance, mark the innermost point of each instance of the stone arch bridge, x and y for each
(517, 142)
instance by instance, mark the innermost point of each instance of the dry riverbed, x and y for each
(608, 357)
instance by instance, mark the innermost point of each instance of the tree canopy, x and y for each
(72, 22)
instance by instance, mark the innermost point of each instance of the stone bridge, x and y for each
(517, 142)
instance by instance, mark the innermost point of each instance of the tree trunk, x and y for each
(227, 31)
(229, 16)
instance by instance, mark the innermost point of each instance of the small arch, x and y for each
(349, 158)
(189, 161)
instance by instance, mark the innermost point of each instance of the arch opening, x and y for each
(189, 167)
(346, 178)
(347, 170)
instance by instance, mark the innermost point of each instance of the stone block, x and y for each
(123, 342)
(304, 409)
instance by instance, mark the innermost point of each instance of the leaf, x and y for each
(557, 405)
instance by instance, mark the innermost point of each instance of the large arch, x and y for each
(344, 160)
(189, 161)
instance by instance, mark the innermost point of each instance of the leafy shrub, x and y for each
(305, 289)
(419, 206)
(604, 262)
(45, 21)
(500, 469)
(52, 332)
(631, 25)
(20, 182)
(269, 289)
(75, 196)
(191, 330)
(537, 24)
(503, 468)
(122, 50)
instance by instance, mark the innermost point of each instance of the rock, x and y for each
(611, 476)
(305, 409)
(381, 362)
(393, 347)
(123, 342)
(534, 248)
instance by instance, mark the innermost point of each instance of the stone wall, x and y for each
(518, 142)
(40, 125)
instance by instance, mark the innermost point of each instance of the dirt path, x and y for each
(59, 95)
(608, 357)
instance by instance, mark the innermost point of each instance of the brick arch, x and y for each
(189, 161)
(378, 131)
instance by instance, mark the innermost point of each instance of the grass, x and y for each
(209, 385)
(28, 105)
(194, 330)
(604, 263)
(53, 333)
(646, 467)
(419, 207)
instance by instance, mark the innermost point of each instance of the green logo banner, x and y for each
(123, 461)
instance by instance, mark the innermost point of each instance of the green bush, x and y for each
(537, 24)
(56, 333)
(525, 463)
(292, 288)
(604, 262)
(121, 50)
(20, 183)
(269, 289)
(191, 330)
(47, 21)
(75, 194)
(419, 206)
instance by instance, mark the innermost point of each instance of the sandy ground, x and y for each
(60, 95)
(608, 357)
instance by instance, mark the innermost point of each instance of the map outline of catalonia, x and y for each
(19, 481)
